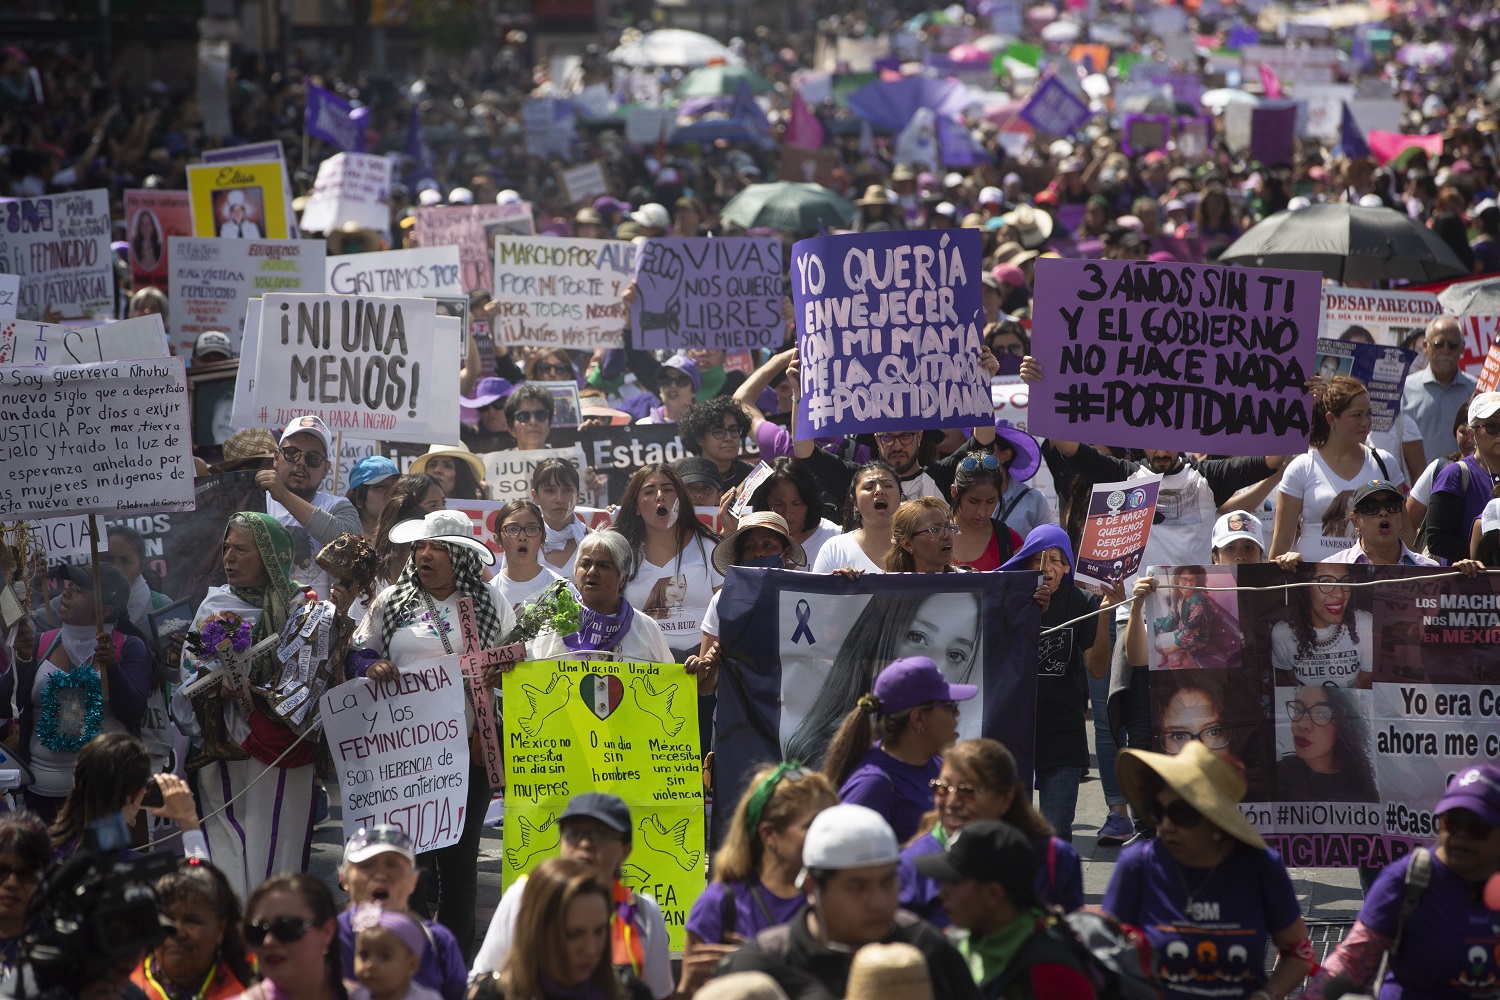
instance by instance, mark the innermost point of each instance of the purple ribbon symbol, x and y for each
(804, 612)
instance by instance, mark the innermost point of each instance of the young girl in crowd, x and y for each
(555, 487)
(873, 496)
(520, 530)
(983, 541)
(388, 949)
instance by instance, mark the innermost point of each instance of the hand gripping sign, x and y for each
(473, 662)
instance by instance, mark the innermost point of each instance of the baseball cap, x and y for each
(372, 469)
(1476, 789)
(212, 342)
(1238, 524)
(652, 216)
(694, 469)
(1374, 487)
(460, 196)
(370, 841)
(428, 198)
(987, 851)
(991, 196)
(848, 836)
(1484, 405)
(308, 423)
(610, 810)
(1489, 519)
(916, 680)
(113, 590)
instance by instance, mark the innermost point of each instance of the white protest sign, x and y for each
(584, 182)
(401, 751)
(370, 366)
(10, 294)
(644, 126)
(58, 247)
(463, 226)
(561, 293)
(29, 344)
(509, 472)
(549, 127)
(96, 439)
(213, 280)
(1325, 109)
(351, 187)
(430, 272)
(243, 413)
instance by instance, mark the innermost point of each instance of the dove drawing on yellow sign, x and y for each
(657, 704)
(671, 841)
(535, 840)
(543, 703)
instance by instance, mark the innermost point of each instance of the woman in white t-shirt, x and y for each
(1312, 501)
(519, 529)
(1327, 641)
(792, 492)
(874, 494)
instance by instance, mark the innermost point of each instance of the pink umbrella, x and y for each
(969, 52)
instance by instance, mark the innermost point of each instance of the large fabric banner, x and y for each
(708, 292)
(561, 293)
(628, 728)
(1192, 357)
(889, 332)
(800, 649)
(1349, 692)
(59, 246)
(1364, 315)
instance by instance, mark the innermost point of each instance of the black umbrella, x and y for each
(1347, 243)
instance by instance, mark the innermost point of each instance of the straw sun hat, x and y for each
(1206, 781)
(889, 970)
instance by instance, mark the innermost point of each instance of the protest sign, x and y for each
(1408, 687)
(94, 439)
(708, 292)
(58, 246)
(1184, 356)
(1273, 132)
(1115, 533)
(1381, 369)
(560, 293)
(809, 166)
(1384, 317)
(351, 188)
(575, 726)
(1303, 64)
(253, 152)
(462, 226)
(549, 127)
(799, 650)
(372, 366)
(888, 331)
(238, 200)
(429, 273)
(23, 342)
(401, 752)
(213, 280)
(152, 218)
(10, 289)
(583, 183)
(1479, 335)
(509, 472)
(1489, 374)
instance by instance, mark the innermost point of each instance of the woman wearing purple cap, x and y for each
(916, 718)
(1449, 945)
(482, 425)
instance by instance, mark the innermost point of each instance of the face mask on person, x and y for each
(762, 562)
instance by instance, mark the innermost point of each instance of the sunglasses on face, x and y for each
(311, 459)
(284, 929)
(531, 417)
(1466, 824)
(25, 876)
(496, 406)
(1490, 427)
(1179, 812)
(1379, 509)
(942, 789)
(973, 464)
(670, 381)
(547, 368)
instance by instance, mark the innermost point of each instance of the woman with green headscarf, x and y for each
(268, 826)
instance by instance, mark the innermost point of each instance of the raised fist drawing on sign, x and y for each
(659, 281)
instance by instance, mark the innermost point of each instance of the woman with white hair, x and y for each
(607, 622)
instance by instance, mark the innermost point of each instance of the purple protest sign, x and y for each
(889, 332)
(334, 120)
(1273, 132)
(1114, 535)
(1191, 357)
(1055, 109)
(708, 292)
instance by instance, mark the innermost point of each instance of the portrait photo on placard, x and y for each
(1324, 747)
(241, 212)
(212, 388)
(1222, 709)
(146, 240)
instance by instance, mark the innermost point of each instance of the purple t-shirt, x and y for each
(898, 791)
(1449, 945)
(443, 967)
(1061, 886)
(706, 918)
(1450, 480)
(1214, 947)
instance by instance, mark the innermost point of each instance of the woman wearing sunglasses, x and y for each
(1207, 891)
(983, 540)
(551, 366)
(979, 782)
(1445, 946)
(520, 531)
(292, 929)
(1330, 761)
(921, 538)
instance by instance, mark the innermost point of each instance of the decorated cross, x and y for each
(473, 662)
(233, 666)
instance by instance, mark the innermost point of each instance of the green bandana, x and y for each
(989, 956)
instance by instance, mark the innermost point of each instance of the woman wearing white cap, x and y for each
(416, 619)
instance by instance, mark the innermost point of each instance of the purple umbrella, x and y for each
(891, 103)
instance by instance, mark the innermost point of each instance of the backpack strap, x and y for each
(1379, 462)
(1012, 505)
(1418, 875)
(729, 918)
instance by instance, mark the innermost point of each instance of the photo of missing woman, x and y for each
(668, 595)
(1222, 709)
(1193, 627)
(146, 240)
(1320, 631)
(1323, 745)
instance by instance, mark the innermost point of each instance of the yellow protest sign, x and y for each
(238, 200)
(629, 729)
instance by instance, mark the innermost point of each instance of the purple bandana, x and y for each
(596, 631)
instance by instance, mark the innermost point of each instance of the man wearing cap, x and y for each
(1461, 490)
(294, 499)
(701, 476)
(849, 876)
(1433, 395)
(987, 881)
(596, 829)
(653, 219)
(212, 346)
(370, 483)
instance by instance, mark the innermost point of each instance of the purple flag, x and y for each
(747, 110)
(1273, 132)
(334, 120)
(1054, 109)
(956, 145)
(416, 149)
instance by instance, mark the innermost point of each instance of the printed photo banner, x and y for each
(575, 726)
(350, 188)
(1365, 315)
(561, 293)
(152, 218)
(1381, 369)
(1192, 357)
(255, 152)
(58, 245)
(1349, 705)
(1115, 534)
(96, 439)
(800, 649)
(889, 332)
(374, 367)
(463, 226)
(401, 751)
(29, 344)
(429, 273)
(242, 201)
(708, 292)
(213, 281)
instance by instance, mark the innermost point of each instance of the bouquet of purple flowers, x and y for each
(224, 625)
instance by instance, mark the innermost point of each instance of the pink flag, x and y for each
(1270, 82)
(804, 130)
(1388, 145)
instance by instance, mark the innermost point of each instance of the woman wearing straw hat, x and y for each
(457, 469)
(1207, 890)
(876, 214)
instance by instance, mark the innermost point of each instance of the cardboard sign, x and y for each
(58, 246)
(238, 200)
(429, 273)
(584, 182)
(509, 472)
(152, 218)
(1192, 357)
(95, 439)
(23, 342)
(10, 293)
(213, 280)
(708, 292)
(464, 227)
(351, 188)
(888, 330)
(1382, 370)
(561, 293)
(1114, 536)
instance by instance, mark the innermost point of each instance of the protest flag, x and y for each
(1054, 109)
(334, 120)
(1351, 136)
(917, 143)
(1270, 82)
(747, 110)
(416, 149)
(804, 130)
(1387, 146)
